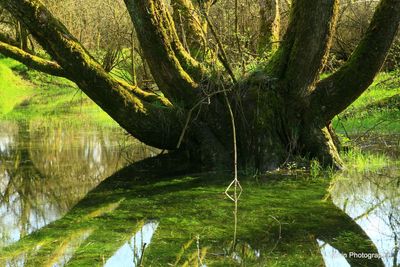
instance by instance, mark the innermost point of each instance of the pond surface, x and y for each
(58, 209)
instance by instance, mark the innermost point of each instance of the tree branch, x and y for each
(333, 94)
(34, 62)
(269, 25)
(194, 27)
(148, 117)
(307, 43)
(8, 40)
(170, 64)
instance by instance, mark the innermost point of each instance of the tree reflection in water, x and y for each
(194, 222)
(372, 199)
(283, 220)
(46, 168)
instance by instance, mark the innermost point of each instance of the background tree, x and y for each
(280, 106)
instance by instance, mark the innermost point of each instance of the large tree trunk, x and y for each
(280, 111)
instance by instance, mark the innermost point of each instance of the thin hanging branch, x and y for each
(237, 188)
(222, 55)
(189, 116)
(237, 36)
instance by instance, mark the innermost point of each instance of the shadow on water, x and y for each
(186, 220)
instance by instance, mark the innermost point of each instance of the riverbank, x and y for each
(27, 94)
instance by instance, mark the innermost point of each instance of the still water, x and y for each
(137, 217)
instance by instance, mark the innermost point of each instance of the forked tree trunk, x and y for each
(268, 135)
(281, 110)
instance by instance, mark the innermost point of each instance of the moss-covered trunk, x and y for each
(271, 131)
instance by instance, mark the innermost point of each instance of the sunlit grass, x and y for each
(27, 94)
(365, 161)
(13, 89)
(360, 118)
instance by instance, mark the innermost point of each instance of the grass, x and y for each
(366, 161)
(365, 117)
(13, 89)
(27, 94)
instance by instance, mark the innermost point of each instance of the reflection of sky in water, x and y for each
(375, 208)
(5, 143)
(130, 253)
(376, 225)
(70, 249)
(13, 221)
(332, 257)
(62, 258)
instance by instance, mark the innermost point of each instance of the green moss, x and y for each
(280, 218)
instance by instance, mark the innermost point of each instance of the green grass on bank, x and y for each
(377, 110)
(13, 89)
(28, 94)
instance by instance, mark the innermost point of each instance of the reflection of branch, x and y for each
(368, 211)
(280, 233)
(396, 241)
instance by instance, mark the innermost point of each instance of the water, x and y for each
(372, 200)
(131, 253)
(161, 217)
(47, 168)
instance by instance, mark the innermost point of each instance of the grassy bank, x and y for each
(13, 89)
(28, 94)
(377, 111)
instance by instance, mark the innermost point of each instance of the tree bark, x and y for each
(193, 28)
(174, 70)
(333, 94)
(269, 26)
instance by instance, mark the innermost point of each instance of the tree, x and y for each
(280, 109)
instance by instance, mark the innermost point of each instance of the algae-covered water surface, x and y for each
(80, 196)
